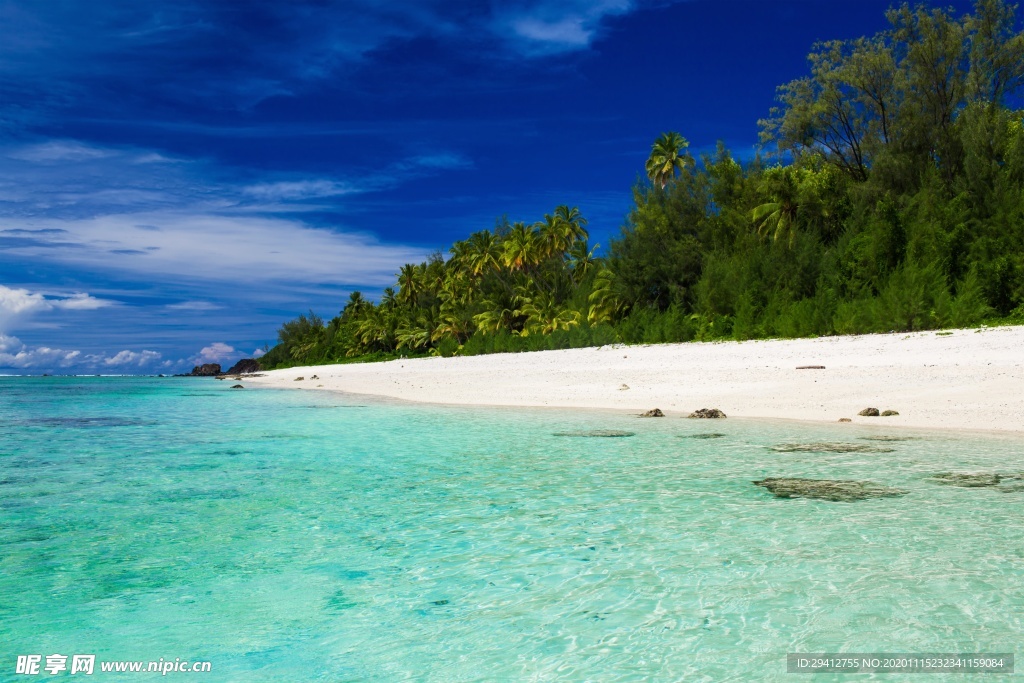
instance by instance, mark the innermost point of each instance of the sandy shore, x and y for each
(967, 379)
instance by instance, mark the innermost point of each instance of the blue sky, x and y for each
(178, 178)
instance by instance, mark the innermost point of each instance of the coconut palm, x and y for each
(605, 304)
(521, 247)
(483, 252)
(668, 155)
(777, 217)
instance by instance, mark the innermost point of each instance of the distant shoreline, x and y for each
(960, 379)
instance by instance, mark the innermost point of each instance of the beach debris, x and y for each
(889, 413)
(845, 419)
(810, 367)
(314, 377)
(707, 414)
(597, 434)
(836, 490)
(653, 412)
(238, 386)
(829, 447)
(869, 412)
(298, 379)
(624, 387)
(703, 435)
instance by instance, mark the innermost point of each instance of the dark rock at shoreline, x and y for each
(836, 490)
(869, 412)
(845, 419)
(707, 414)
(246, 366)
(206, 370)
(653, 412)
(238, 386)
(889, 413)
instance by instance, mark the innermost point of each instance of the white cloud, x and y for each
(80, 302)
(301, 189)
(215, 352)
(258, 352)
(14, 354)
(194, 306)
(209, 246)
(59, 151)
(16, 302)
(132, 358)
(550, 27)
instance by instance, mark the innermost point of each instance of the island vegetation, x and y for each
(888, 196)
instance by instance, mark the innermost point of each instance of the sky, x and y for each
(179, 178)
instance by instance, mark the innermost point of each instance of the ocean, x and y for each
(285, 535)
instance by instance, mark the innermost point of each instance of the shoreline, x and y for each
(949, 379)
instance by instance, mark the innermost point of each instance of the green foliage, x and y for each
(895, 202)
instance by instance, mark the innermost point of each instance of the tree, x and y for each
(668, 155)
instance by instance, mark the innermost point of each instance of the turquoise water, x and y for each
(301, 536)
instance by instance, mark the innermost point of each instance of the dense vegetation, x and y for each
(890, 196)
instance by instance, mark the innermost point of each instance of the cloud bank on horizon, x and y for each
(178, 178)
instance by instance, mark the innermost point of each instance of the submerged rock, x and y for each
(653, 412)
(869, 412)
(705, 435)
(889, 413)
(975, 480)
(883, 437)
(597, 434)
(707, 414)
(238, 386)
(836, 490)
(829, 447)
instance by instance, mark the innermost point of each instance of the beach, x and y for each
(960, 379)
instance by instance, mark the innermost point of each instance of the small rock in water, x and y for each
(827, 447)
(889, 413)
(845, 419)
(707, 414)
(869, 412)
(705, 435)
(836, 490)
(238, 386)
(298, 379)
(597, 434)
(653, 412)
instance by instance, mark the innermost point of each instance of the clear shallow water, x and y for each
(286, 535)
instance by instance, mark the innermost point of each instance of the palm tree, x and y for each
(668, 155)
(582, 260)
(355, 305)
(778, 215)
(483, 252)
(605, 305)
(408, 283)
(521, 247)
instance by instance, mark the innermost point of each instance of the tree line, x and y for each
(888, 196)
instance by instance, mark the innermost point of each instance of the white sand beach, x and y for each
(966, 379)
